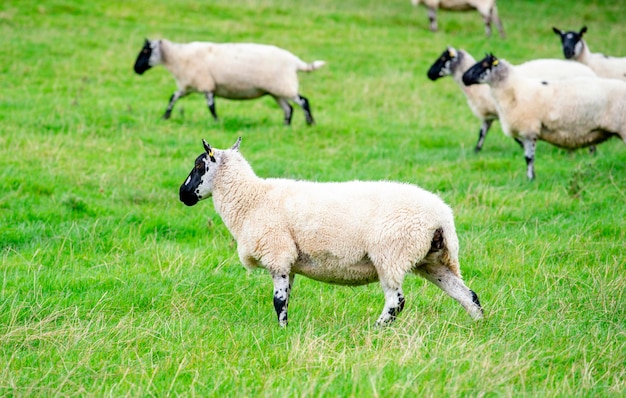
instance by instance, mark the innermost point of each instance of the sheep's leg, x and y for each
(288, 109)
(304, 103)
(168, 112)
(282, 290)
(394, 303)
(432, 17)
(498, 22)
(210, 101)
(482, 134)
(487, 19)
(529, 154)
(442, 276)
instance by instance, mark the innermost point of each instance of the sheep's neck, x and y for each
(476, 92)
(585, 54)
(503, 87)
(236, 191)
(463, 64)
(175, 64)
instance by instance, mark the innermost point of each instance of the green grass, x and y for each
(111, 287)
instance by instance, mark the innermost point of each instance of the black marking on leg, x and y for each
(528, 159)
(545, 83)
(288, 115)
(479, 145)
(394, 311)
(170, 105)
(213, 111)
(475, 299)
(280, 305)
(307, 110)
(437, 243)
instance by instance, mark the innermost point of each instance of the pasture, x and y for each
(112, 287)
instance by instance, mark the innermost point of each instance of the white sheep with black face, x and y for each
(455, 63)
(575, 48)
(229, 70)
(347, 233)
(570, 114)
(486, 8)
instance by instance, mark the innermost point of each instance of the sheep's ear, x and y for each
(451, 52)
(235, 147)
(583, 30)
(557, 31)
(494, 60)
(209, 150)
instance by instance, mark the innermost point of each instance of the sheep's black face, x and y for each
(199, 183)
(443, 65)
(480, 72)
(189, 192)
(571, 41)
(142, 63)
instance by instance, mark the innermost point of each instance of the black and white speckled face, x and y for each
(199, 183)
(443, 65)
(149, 56)
(482, 71)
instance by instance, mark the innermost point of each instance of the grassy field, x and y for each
(112, 287)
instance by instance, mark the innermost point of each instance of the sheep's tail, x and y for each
(450, 255)
(303, 66)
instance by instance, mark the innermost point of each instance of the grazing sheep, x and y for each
(349, 233)
(487, 9)
(572, 113)
(229, 70)
(574, 47)
(455, 63)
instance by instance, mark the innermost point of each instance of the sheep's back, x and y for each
(361, 212)
(569, 113)
(554, 69)
(247, 70)
(607, 67)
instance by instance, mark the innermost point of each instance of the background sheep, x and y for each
(455, 63)
(486, 8)
(229, 70)
(570, 113)
(574, 47)
(350, 233)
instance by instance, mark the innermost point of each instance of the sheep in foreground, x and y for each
(571, 114)
(229, 70)
(487, 9)
(349, 233)
(574, 47)
(455, 63)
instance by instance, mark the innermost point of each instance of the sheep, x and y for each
(487, 9)
(229, 70)
(346, 233)
(574, 47)
(456, 62)
(571, 113)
